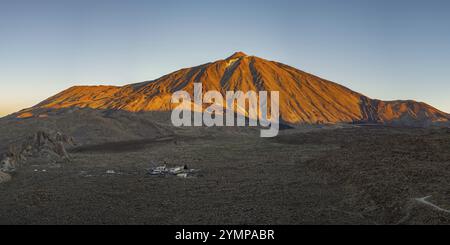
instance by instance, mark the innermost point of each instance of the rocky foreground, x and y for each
(41, 146)
(308, 175)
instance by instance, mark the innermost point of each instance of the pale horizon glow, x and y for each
(386, 50)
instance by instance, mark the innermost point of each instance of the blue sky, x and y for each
(383, 49)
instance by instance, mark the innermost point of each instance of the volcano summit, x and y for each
(304, 98)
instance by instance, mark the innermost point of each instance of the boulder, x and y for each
(4, 177)
(7, 165)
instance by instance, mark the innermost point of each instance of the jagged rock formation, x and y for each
(46, 145)
(304, 98)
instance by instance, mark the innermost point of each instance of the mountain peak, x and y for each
(304, 98)
(237, 55)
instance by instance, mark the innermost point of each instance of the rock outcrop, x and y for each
(48, 146)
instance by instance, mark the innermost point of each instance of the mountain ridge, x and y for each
(304, 97)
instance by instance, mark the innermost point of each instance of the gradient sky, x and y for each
(383, 49)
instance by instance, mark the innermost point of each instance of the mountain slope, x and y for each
(304, 98)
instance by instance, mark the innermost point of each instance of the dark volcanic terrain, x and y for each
(337, 174)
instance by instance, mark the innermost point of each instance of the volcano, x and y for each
(304, 98)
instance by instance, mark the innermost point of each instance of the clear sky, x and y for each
(383, 49)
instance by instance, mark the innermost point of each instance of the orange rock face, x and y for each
(304, 98)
